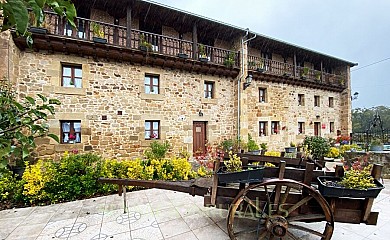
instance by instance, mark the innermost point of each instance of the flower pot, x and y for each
(99, 40)
(38, 30)
(338, 191)
(245, 176)
(256, 152)
(203, 59)
(377, 148)
(182, 55)
(290, 149)
(260, 70)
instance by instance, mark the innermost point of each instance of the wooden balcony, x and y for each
(142, 47)
(288, 73)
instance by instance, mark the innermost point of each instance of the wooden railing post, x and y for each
(128, 26)
(194, 42)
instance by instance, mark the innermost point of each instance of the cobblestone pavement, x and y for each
(152, 214)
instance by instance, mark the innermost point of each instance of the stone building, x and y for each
(162, 73)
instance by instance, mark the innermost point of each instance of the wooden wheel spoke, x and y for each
(298, 204)
(306, 217)
(237, 234)
(278, 189)
(262, 235)
(263, 214)
(305, 229)
(290, 235)
(285, 195)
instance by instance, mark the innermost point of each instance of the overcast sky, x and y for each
(354, 30)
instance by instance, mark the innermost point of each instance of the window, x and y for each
(301, 100)
(331, 127)
(262, 95)
(316, 101)
(262, 129)
(152, 129)
(209, 89)
(71, 76)
(331, 102)
(152, 84)
(301, 128)
(70, 131)
(274, 127)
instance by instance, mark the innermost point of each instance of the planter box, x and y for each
(204, 59)
(255, 152)
(245, 176)
(335, 191)
(260, 70)
(99, 40)
(182, 55)
(38, 30)
(290, 149)
(376, 148)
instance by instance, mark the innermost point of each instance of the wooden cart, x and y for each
(284, 205)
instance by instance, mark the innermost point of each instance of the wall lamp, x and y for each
(355, 96)
(248, 81)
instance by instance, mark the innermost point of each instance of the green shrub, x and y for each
(317, 146)
(11, 189)
(157, 150)
(252, 145)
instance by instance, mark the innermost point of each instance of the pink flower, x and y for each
(72, 137)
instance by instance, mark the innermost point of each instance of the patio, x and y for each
(152, 214)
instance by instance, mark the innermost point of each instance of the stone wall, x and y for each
(109, 87)
(282, 105)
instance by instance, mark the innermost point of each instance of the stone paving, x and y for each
(152, 214)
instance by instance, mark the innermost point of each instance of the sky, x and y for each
(354, 30)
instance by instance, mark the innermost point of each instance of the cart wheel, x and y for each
(280, 209)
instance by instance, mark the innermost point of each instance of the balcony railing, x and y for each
(165, 45)
(288, 70)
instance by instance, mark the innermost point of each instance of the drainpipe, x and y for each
(243, 41)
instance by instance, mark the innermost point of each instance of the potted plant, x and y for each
(251, 64)
(260, 67)
(98, 33)
(182, 55)
(316, 146)
(318, 76)
(356, 183)
(264, 148)
(252, 146)
(376, 145)
(305, 71)
(234, 172)
(37, 25)
(229, 60)
(202, 53)
(292, 148)
(144, 45)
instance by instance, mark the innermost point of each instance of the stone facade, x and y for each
(112, 104)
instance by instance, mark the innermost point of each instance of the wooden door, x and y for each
(317, 126)
(199, 138)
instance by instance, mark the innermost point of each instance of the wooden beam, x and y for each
(195, 41)
(128, 26)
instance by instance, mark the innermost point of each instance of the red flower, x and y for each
(72, 137)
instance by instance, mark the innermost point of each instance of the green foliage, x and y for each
(202, 51)
(157, 150)
(15, 14)
(263, 146)
(144, 43)
(234, 163)
(97, 30)
(10, 188)
(226, 145)
(317, 146)
(229, 59)
(361, 117)
(252, 145)
(358, 179)
(22, 122)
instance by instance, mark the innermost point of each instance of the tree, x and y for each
(16, 14)
(22, 122)
(361, 117)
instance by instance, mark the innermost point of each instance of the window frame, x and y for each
(275, 127)
(331, 102)
(72, 76)
(262, 129)
(151, 86)
(317, 101)
(263, 98)
(152, 130)
(301, 127)
(301, 99)
(331, 127)
(72, 131)
(209, 93)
